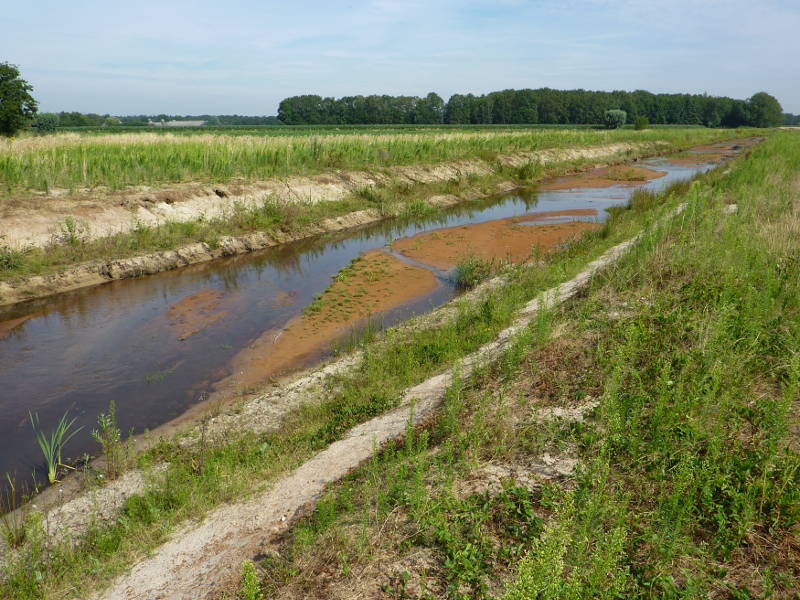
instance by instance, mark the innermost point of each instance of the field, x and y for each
(77, 162)
(637, 441)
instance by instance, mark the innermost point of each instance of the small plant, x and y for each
(71, 232)
(14, 513)
(12, 259)
(615, 118)
(641, 122)
(471, 270)
(108, 435)
(250, 588)
(53, 444)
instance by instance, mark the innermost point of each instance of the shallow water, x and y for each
(127, 341)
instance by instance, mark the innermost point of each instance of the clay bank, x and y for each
(162, 344)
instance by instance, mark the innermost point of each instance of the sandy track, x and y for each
(200, 560)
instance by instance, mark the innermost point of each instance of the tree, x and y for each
(641, 122)
(615, 118)
(764, 110)
(17, 105)
(45, 123)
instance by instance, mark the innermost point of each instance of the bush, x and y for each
(641, 122)
(615, 118)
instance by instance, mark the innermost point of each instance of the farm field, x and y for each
(77, 162)
(474, 457)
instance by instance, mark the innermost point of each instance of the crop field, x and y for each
(75, 162)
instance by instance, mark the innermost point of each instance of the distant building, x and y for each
(176, 123)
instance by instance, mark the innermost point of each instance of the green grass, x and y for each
(202, 478)
(76, 162)
(689, 467)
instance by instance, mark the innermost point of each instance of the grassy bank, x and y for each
(668, 397)
(200, 478)
(75, 162)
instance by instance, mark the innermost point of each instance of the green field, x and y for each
(77, 162)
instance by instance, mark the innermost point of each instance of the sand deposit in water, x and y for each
(6, 327)
(196, 312)
(372, 284)
(605, 177)
(512, 239)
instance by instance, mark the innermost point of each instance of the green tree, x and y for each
(45, 123)
(17, 105)
(764, 110)
(615, 118)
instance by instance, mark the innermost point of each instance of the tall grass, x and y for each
(74, 162)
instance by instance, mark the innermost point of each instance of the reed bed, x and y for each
(76, 162)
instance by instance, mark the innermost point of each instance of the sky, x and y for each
(244, 56)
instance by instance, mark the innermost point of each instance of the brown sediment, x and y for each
(373, 283)
(502, 239)
(285, 298)
(604, 177)
(194, 313)
(6, 327)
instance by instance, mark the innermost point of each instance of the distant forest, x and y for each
(791, 120)
(77, 119)
(545, 105)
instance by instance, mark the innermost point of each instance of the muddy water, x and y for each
(159, 345)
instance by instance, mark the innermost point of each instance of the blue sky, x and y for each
(244, 56)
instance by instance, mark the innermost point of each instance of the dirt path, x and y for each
(202, 559)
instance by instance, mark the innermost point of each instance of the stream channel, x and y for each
(160, 344)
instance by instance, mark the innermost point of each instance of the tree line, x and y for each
(544, 105)
(78, 119)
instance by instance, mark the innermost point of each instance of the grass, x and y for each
(197, 480)
(75, 162)
(688, 468)
(472, 270)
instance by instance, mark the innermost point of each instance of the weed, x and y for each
(250, 588)
(472, 270)
(14, 510)
(116, 453)
(53, 444)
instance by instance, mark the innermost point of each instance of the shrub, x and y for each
(471, 270)
(641, 122)
(615, 118)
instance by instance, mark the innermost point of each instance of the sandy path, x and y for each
(200, 560)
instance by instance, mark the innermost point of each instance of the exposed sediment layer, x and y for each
(511, 239)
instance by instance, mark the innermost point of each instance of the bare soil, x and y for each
(503, 239)
(604, 177)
